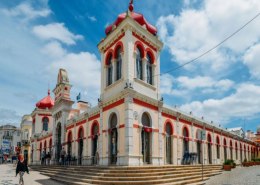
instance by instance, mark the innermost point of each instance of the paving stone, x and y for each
(237, 176)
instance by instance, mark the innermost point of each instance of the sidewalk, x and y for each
(7, 177)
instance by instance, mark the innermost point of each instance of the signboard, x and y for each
(6, 147)
(201, 135)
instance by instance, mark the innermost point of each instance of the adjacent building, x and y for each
(26, 132)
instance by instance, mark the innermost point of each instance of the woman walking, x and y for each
(21, 168)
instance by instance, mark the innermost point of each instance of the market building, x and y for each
(131, 125)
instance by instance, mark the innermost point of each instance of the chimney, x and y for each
(82, 106)
(248, 133)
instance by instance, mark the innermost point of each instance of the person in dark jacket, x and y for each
(21, 168)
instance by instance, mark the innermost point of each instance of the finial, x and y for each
(49, 88)
(131, 6)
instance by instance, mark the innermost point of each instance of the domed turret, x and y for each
(46, 102)
(137, 17)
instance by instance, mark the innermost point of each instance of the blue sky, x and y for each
(39, 37)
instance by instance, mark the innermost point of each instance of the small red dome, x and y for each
(137, 17)
(46, 102)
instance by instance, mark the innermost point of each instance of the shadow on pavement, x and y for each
(48, 182)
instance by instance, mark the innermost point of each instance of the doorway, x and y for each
(168, 148)
(59, 145)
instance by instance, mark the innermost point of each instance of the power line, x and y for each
(209, 49)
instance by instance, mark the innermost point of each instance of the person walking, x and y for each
(48, 157)
(69, 158)
(63, 153)
(42, 157)
(5, 159)
(21, 168)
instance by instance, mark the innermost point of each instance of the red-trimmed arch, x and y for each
(119, 44)
(210, 138)
(244, 146)
(187, 128)
(236, 145)
(45, 144)
(231, 143)
(148, 50)
(224, 142)
(92, 127)
(141, 46)
(50, 142)
(110, 52)
(81, 127)
(217, 140)
(40, 145)
(171, 124)
(68, 136)
(46, 117)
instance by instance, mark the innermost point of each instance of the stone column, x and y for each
(204, 148)
(63, 129)
(100, 139)
(144, 71)
(35, 151)
(153, 74)
(161, 161)
(192, 135)
(54, 142)
(179, 157)
(87, 134)
(214, 150)
(75, 137)
(129, 132)
(128, 61)
(114, 70)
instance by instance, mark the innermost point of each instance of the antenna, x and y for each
(49, 87)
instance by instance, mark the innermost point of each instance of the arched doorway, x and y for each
(168, 148)
(199, 150)
(69, 144)
(50, 147)
(218, 148)
(209, 149)
(236, 151)
(45, 148)
(145, 137)
(245, 151)
(185, 134)
(80, 145)
(225, 149)
(231, 149)
(59, 145)
(113, 139)
(94, 133)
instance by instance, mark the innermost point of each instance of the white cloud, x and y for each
(54, 50)
(81, 69)
(26, 11)
(56, 31)
(182, 85)
(194, 32)
(92, 18)
(239, 104)
(106, 25)
(28, 97)
(252, 60)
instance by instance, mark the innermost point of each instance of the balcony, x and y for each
(25, 142)
(7, 137)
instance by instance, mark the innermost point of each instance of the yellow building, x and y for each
(26, 131)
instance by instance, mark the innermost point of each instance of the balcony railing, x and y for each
(7, 137)
(25, 142)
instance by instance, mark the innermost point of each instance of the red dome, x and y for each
(137, 17)
(46, 102)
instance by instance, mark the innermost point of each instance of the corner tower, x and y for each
(130, 56)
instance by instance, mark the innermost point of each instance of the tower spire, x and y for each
(131, 6)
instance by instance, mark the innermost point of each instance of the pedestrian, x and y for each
(42, 157)
(5, 159)
(21, 168)
(69, 158)
(48, 158)
(62, 154)
(14, 160)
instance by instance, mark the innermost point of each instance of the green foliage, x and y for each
(227, 162)
(245, 160)
(253, 159)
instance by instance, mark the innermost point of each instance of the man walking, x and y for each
(48, 157)
(42, 157)
(63, 153)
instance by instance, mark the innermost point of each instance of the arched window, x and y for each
(185, 132)
(168, 129)
(119, 64)
(139, 63)
(149, 69)
(45, 124)
(185, 141)
(95, 129)
(113, 121)
(145, 120)
(110, 71)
